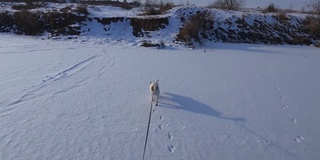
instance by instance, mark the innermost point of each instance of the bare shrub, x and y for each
(282, 16)
(314, 6)
(271, 8)
(165, 7)
(191, 30)
(311, 24)
(228, 4)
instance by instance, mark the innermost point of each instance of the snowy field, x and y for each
(86, 99)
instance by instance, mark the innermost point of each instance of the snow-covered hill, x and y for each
(79, 89)
(88, 99)
(131, 26)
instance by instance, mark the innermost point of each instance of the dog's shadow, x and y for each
(191, 105)
(182, 102)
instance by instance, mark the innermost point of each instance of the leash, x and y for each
(145, 144)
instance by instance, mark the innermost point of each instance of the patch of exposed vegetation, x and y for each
(311, 24)
(227, 4)
(140, 25)
(192, 29)
(160, 45)
(109, 20)
(36, 23)
(271, 8)
(157, 9)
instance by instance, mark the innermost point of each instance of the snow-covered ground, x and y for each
(87, 99)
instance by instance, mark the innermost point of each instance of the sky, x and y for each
(296, 4)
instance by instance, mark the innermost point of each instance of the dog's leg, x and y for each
(157, 100)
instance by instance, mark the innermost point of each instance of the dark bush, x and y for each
(28, 23)
(271, 8)
(6, 22)
(228, 4)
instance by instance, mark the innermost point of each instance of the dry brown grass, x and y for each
(191, 29)
(282, 16)
(312, 25)
(165, 7)
(162, 8)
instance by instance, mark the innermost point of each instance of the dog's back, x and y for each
(155, 90)
(154, 87)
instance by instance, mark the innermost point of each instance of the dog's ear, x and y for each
(150, 82)
(157, 80)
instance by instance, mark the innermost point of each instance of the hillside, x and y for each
(188, 25)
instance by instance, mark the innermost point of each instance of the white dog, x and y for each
(155, 91)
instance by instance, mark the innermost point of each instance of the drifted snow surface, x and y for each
(86, 99)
